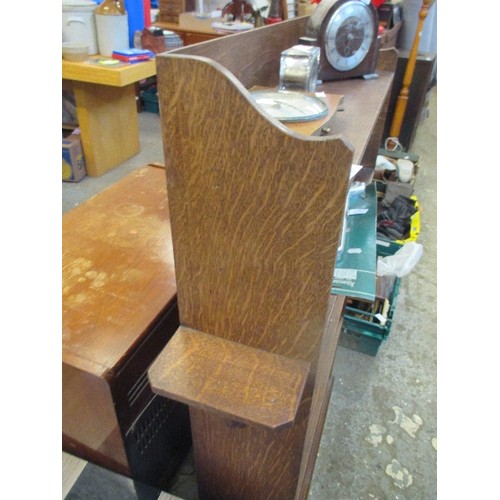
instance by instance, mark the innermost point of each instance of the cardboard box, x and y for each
(73, 162)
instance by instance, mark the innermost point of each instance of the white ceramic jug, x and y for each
(78, 23)
(112, 33)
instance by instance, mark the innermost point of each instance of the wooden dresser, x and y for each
(119, 311)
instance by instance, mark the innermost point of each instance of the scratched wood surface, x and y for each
(256, 212)
(117, 270)
(237, 462)
(250, 385)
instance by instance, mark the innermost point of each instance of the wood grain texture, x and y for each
(255, 211)
(109, 126)
(321, 393)
(247, 462)
(235, 462)
(236, 381)
(358, 123)
(254, 58)
(118, 311)
(120, 76)
(179, 28)
(117, 270)
(107, 110)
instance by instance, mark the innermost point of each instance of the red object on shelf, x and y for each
(147, 13)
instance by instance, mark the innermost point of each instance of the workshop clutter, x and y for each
(390, 20)
(398, 211)
(148, 97)
(73, 161)
(398, 217)
(366, 324)
(157, 40)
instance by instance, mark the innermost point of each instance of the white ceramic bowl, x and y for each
(73, 51)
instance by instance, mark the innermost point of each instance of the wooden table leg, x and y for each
(109, 125)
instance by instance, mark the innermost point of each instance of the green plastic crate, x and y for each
(359, 341)
(361, 330)
(149, 99)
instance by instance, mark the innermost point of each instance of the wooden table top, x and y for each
(117, 269)
(117, 76)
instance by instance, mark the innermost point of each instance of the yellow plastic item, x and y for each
(66, 170)
(415, 224)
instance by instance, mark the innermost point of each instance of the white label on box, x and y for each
(345, 274)
(357, 211)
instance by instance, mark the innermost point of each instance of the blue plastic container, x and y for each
(135, 11)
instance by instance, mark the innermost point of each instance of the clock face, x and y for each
(348, 35)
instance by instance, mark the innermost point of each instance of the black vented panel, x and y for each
(130, 385)
(158, 441)
(151, 423)
(156, 431)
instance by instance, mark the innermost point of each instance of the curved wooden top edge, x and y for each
(247, 95)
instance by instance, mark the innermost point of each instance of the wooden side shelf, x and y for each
(236, 381)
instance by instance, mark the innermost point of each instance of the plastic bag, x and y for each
(402, 262)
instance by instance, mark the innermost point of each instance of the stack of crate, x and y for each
(362, 328)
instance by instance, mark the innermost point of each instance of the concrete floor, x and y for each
(380, 436)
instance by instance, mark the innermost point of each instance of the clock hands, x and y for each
(350, 37)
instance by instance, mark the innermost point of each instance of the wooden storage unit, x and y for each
(119, 310)
(107, 110)
(256, 212)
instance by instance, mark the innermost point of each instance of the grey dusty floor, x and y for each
(380, 436)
